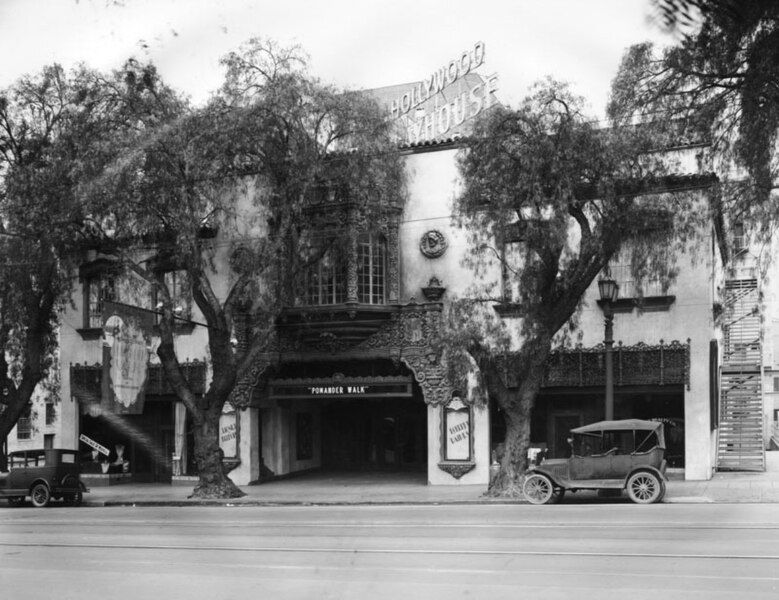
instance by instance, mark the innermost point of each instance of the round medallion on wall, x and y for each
(433, 244)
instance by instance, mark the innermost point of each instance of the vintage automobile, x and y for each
(42, 475)
(609, 455)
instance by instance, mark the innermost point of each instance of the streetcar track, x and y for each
(396, 525)
(351, 568)
(398, 551)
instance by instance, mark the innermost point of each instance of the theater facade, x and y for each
(353, 378)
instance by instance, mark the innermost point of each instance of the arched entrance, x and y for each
(386, 434)
(359, 416)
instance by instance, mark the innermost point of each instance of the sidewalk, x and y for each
(360, 489)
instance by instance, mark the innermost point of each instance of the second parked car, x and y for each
(42, 475)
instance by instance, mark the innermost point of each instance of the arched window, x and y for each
(371, 269)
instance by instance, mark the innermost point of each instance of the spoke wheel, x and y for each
(538, 489)
(645, 488)
(40, 495)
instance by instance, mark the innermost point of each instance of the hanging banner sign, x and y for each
(92, 443)
(126, 346)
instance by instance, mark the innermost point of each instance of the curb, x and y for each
(497, 502)
(277, 503)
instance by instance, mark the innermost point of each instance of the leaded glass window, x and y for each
(371, 269)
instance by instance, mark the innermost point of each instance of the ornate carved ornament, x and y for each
(640, 364)
(433, 243)
(244, 387)
(433, 291)
(456, 469)
(408, 336)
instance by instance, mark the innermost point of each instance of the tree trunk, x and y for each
(513, 458)
(214, 482)
(517, 405)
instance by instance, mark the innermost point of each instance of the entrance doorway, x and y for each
(387, 434)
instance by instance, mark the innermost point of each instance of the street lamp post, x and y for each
(609, 292)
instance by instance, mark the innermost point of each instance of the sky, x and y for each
(351, 43)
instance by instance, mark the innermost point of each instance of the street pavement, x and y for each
(389, 488)
(385, 552)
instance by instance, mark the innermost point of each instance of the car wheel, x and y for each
(645, 488)
(40, 495)
(538, 489)
(15, 500)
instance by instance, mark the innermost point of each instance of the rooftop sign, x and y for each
(439, 106)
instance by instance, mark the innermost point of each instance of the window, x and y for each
(24, 424)
(98, 289)
(371, 267)
(51, 413)
(326, 280)
(351, 267)
(512, 261)
(739, 240)
(587, 444)
(180, 291)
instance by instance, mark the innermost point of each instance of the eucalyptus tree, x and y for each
(220, 192)
(549, 198)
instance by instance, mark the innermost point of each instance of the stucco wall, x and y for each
(480, 474)
(433, 185)
(689, 317)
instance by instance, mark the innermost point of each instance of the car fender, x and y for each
(660, 475)
(36, 482)
(542, 471)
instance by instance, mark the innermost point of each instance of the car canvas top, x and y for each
(618, 425)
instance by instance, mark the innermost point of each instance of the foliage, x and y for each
(223, 192)
(720, 80)
(38, 228)
(559, 198)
